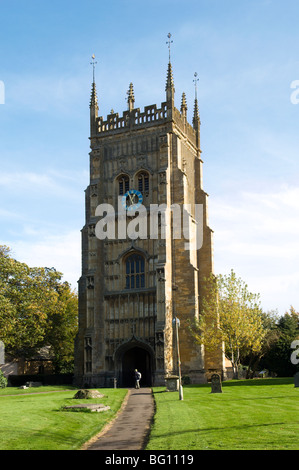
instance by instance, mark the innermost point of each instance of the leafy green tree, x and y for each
(278, 358)
(254, 358)
(36, 309)
(62, 328)
(231, 316)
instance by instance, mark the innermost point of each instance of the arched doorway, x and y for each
(136, 358)
(131, 355)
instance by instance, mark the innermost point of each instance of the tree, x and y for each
(62, 328)
(36, 309)
(278, 358)
(253, 360)
(231, 316)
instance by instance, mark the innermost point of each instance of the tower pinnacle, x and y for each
(184, 105)
(93, 105)
(196, 119)
(131, 98)
(93, 98)
(184, 102)
(169, 80)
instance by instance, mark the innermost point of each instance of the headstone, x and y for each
(296, 379)
(34, 384)
(85, 393)
(216, 386)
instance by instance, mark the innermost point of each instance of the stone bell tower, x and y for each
(131, 287)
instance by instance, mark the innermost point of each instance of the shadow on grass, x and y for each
(248, 382)
(220, 428)
(259, 382)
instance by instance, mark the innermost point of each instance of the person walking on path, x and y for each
(137, 378)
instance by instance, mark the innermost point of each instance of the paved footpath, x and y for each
(131, 427)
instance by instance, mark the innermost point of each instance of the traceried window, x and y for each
(135, 272)
(123, 184)
(143, 182)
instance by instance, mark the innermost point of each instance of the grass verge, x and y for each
(248, 415)
(34, 419)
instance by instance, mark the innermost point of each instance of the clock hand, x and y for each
(131, 198)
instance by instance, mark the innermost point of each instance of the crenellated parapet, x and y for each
(137, 119)
(132, 119)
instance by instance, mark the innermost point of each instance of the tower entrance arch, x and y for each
(134, 355)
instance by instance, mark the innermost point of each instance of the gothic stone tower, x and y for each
(131, 289)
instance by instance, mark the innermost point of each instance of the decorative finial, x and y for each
(93, 63)
(196, 119)
(169, 42)
(131, 98)
(195, 83)
(184, 104)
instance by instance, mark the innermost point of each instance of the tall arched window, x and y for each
(123, 184)
(135, 272)
(143, 182)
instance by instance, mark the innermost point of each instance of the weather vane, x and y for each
(169, 42)
(93, 63)
(195, 83)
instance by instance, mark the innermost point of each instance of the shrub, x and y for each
(186, 380)
(3, 380)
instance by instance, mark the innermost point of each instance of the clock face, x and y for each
(132, 199)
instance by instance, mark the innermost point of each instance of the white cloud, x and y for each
(50, 93)
(257, 234)
(63, 252)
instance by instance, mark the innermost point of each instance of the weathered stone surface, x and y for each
(172, 383)
(85, 393)
(34, 384)
(126, 312)
(92, 407)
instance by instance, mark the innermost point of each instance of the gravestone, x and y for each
(33, 384)
(296, 379)
(216, 386)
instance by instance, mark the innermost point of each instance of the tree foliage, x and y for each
(231, 316)
(254, 359)
(3, 380)
(278, 358)
(36, 309)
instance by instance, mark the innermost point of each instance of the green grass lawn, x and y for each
(37, 422)
(260, 414)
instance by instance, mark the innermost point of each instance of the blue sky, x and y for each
(246, 57)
